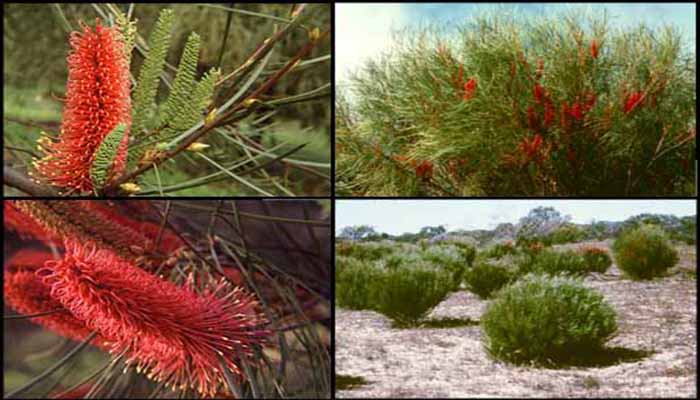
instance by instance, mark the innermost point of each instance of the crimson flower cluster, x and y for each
(179, 335)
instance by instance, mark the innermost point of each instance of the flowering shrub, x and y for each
(547, 109)
(547, 321)
(597, 259)
(644, 252)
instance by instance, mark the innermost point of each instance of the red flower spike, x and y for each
(576, 111)
(590, 102)
(26, 227)
(25, 293)
(594, 49)
(538, 92)
(469, 89)
(633, 100)
(97, 100)
(548, 113)
(174, 333)
(424, 170)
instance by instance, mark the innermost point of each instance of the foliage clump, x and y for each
(484, 279)
(644, 252)
(352, 283)
(596, 259)
(547, 320)
(552, 262)
(519, 107)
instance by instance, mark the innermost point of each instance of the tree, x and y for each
(358, 233)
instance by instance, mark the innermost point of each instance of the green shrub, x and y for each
(597, 259)
(499, 250)
(554, 263)
(406, 295)
(484, 279)
(365, 251)
(448, 258)
(644, 252)
(547, 320)
(352, 288)
(567, 233)
(467, 251)
(393, 261)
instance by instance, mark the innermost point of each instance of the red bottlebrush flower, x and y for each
(594, 49)
(531, 148)
(174, 333)
(26, 227)
(97, 100)
(532, 122)
(424, 170)
(538, 92)
(25, 293)
(548, 113)
(469, 89)
(633, 100)
(576, 112)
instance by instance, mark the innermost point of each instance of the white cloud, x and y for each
(363, 31)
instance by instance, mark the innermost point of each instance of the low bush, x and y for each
(352, 288)
(484, 279)
(597, 259)
(406, 295)
(547, 320)
(364, 251)
(554, 263)
(644, 252)
(499, 250)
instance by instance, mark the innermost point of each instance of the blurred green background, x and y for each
(36, 44)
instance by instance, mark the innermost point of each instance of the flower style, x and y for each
(576, 111)
(632, 101)
(173, 333)
(469, 89)
(97, 100)
(532, 121)
(531, 148)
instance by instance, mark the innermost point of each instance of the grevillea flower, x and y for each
(97, 100)
(173, 333)
(632, 101)
(594, 49)
(25, 293)
(424, 170)
(538, 92)
(469, 89)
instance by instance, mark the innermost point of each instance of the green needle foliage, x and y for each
(511, 106)
(105, 155)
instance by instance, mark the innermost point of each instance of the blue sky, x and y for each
(399, 216)
(364, 30)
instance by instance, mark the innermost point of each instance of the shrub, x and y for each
(554, 263)
(467, 251)
(406, 295)
(596, 259)
(352, 288)
(365, 251)
(567, 233)
(547, 320)
(644, 252)
(499, 250)
(484, 279)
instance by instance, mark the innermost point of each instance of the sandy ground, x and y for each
(658, 316)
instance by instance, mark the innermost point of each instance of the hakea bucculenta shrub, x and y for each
(514, 107)
(172, 333)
